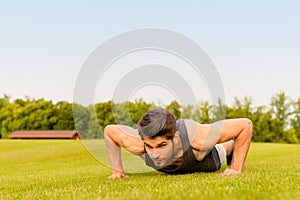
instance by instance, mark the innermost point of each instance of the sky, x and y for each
(255, 46)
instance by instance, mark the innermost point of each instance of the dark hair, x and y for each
(157, 122)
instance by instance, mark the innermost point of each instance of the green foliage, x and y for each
(187, 112)
(203, 113)
(63, 169)
(219, 111)
(240, 108)
(29, 115)
(277, 122)
(290, 136)
(104, 113)
(137, 109)
(295, 120)
(175, 109)
(85, 122)
(63, 117)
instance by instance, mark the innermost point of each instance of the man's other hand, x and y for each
(118, 174)
(228, 172)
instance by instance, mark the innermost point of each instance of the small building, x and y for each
(45, 134)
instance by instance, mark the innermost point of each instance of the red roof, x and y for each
(45, 134)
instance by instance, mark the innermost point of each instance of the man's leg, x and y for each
(225, 151)
(228, 146)
(222, 152)
(229, 151)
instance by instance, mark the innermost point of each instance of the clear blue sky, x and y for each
(254, 45)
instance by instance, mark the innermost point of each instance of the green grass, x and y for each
(63, 169)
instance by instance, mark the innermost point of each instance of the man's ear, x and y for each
(176, 137)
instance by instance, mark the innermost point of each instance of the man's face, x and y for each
(159, 150)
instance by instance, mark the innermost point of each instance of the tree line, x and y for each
(277, 122)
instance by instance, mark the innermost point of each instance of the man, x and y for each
(183, 146)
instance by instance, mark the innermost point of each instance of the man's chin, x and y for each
(160, 163)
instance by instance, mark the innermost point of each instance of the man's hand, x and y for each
(117, 174)
(228, 172)
(241, 130)
(116, 137)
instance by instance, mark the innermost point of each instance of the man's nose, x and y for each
(155, 155)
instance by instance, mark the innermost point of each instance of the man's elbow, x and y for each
(108, 130)
(249, 123)
(248, 126)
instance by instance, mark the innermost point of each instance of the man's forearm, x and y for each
(113, 152)
(241, 147)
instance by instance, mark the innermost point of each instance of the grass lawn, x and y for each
(63, 169)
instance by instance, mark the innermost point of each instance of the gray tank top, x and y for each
(190, 164)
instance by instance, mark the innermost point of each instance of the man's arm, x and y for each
(223, 131)
(117, 136)
(241, 130)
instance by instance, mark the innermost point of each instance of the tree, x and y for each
(203, 113)
(104, 113)
(42, 115)
(94, 130)
(175, 109)
(240, 108)
(6, 118)
(219, 111)
(280, 106)
(81, 116)
(3, 104)
(137, 109)
(187, 112)
(278, 123)
(63, 119)
(28, 114)
(4, 101)
(121, 114)
(295, 120)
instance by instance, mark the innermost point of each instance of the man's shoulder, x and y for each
(188, 122)
(191, 127)
(186, 119)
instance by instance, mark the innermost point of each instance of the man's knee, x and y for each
(222, 152)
